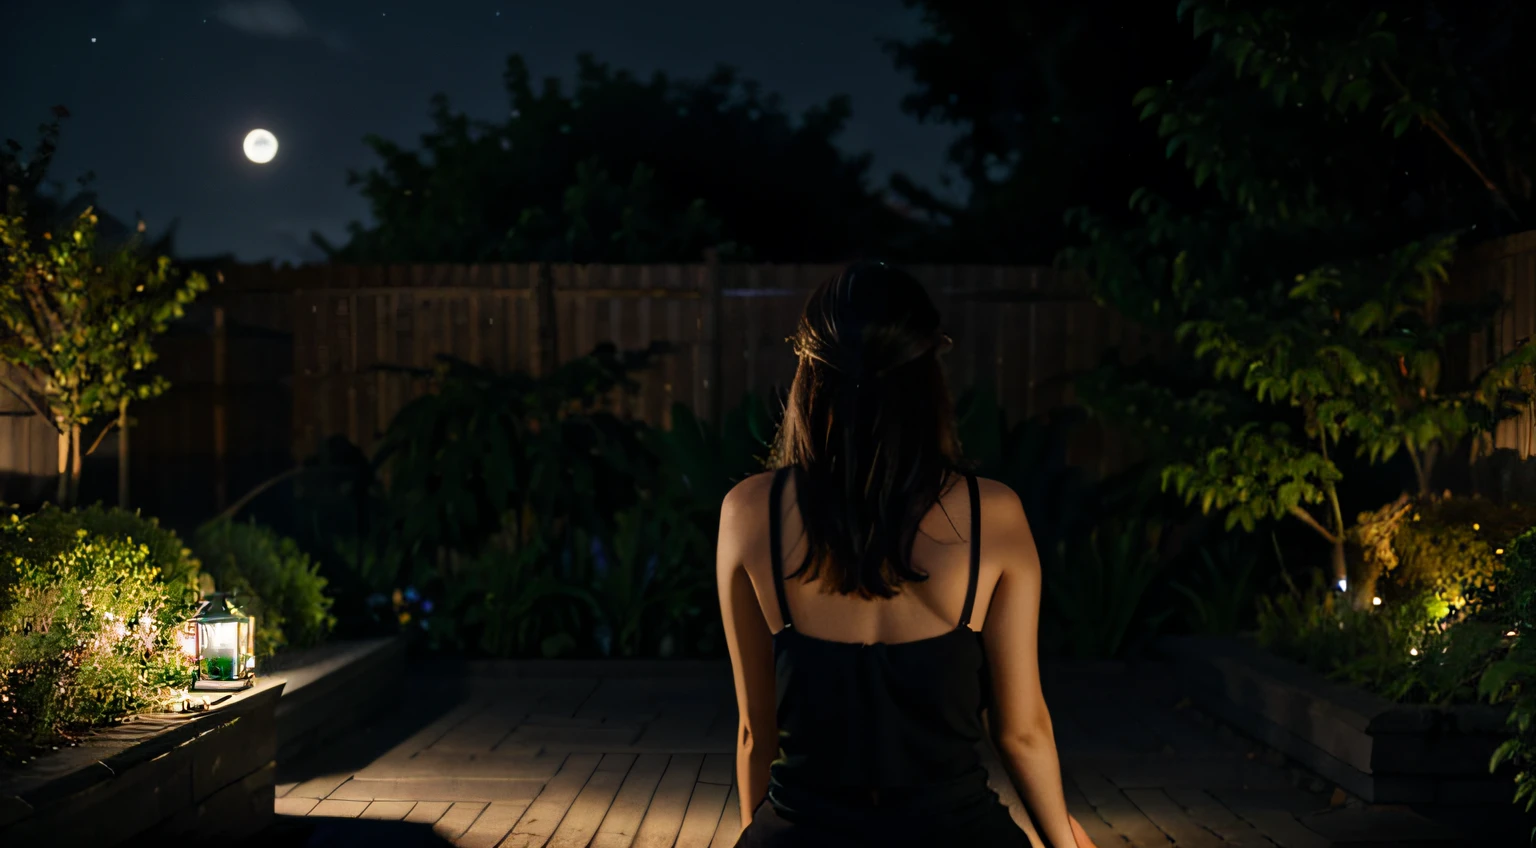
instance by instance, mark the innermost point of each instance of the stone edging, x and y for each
(207, 774)
(204, 775)
(1381, 751)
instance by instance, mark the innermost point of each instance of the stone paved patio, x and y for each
(613, 755)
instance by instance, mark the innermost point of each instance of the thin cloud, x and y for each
(270, 18)
(276, 19)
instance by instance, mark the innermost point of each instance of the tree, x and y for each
(621, 170)
(1039, 93)
(78, 328)
(1337, 159)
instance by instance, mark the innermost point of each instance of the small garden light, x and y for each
(220, 638)
(1376, 602)
(1343, 585)
(1413, 652)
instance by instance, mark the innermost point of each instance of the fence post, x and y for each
(220, 477)
(712, 345)
(544, 311)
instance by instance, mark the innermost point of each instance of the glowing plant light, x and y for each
(1343, 585)
(1511, 633)
(1413, 652)
(1476, 526)
(1376, 602)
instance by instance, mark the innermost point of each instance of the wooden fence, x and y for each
(1019, 331)
(1022, 332)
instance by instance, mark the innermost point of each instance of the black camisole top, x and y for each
(885, 733)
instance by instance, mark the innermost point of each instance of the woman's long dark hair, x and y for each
(869, 427)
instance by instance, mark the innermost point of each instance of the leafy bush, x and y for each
(1453, 546)
(1401, 649)
(278, 584)
(87, 631)
(543, 523)
(1222, 594)
(1512, 678)
(51, 531)
(1102, 584)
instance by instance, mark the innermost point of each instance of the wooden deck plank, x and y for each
(702, 818)
(729, 829)
(493, 825)
(586, 814)
(625, 814)
(664, 818)
(1171, 819)
(387, 810)
(1268, 815)
(427, 812)
(1214, 815)
(1093, 824)
(718, 768)
(1118, 810)
(452, 824)
(339, 809)
(538, 824)
(295, 806)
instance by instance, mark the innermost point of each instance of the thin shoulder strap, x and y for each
(970, 589)
(776, 543)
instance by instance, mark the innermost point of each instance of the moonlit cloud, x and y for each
(271, 18)
(275, 19)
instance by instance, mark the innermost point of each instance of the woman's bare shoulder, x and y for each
(998, 501)
(1002, 515)
(747, 500)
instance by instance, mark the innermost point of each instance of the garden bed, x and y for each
(202, 775)
(208, 774)
(1378, 750)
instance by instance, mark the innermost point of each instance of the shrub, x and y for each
(1454, 546)
(87, 632)
(1099, 588)
(1402, 649)
(276, 583)
(51, 531)
(1513, 677)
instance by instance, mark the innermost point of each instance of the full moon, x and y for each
(260, 146)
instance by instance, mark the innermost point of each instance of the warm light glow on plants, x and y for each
(1376, 602)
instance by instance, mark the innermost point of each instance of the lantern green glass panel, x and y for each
(225, 644)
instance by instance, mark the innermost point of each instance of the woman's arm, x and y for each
(749, 642)
(1019, 721)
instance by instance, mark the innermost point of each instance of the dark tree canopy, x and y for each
(1042, 95)
(622, 170)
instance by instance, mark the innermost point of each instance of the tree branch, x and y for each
(25, 398)
(1437, 125)
(99, 436)
(1419, 470)
(261, 487)
(1307, 519)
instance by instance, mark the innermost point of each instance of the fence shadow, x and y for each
(426, 696)
(323, 832)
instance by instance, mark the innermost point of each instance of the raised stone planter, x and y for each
(1380, 751)
(200, 775)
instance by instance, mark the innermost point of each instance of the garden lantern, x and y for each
(222, 638)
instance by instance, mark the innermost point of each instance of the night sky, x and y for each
(162, 92)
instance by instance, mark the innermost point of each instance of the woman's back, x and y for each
(920, 610)
(877, 600)
(879, 702)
